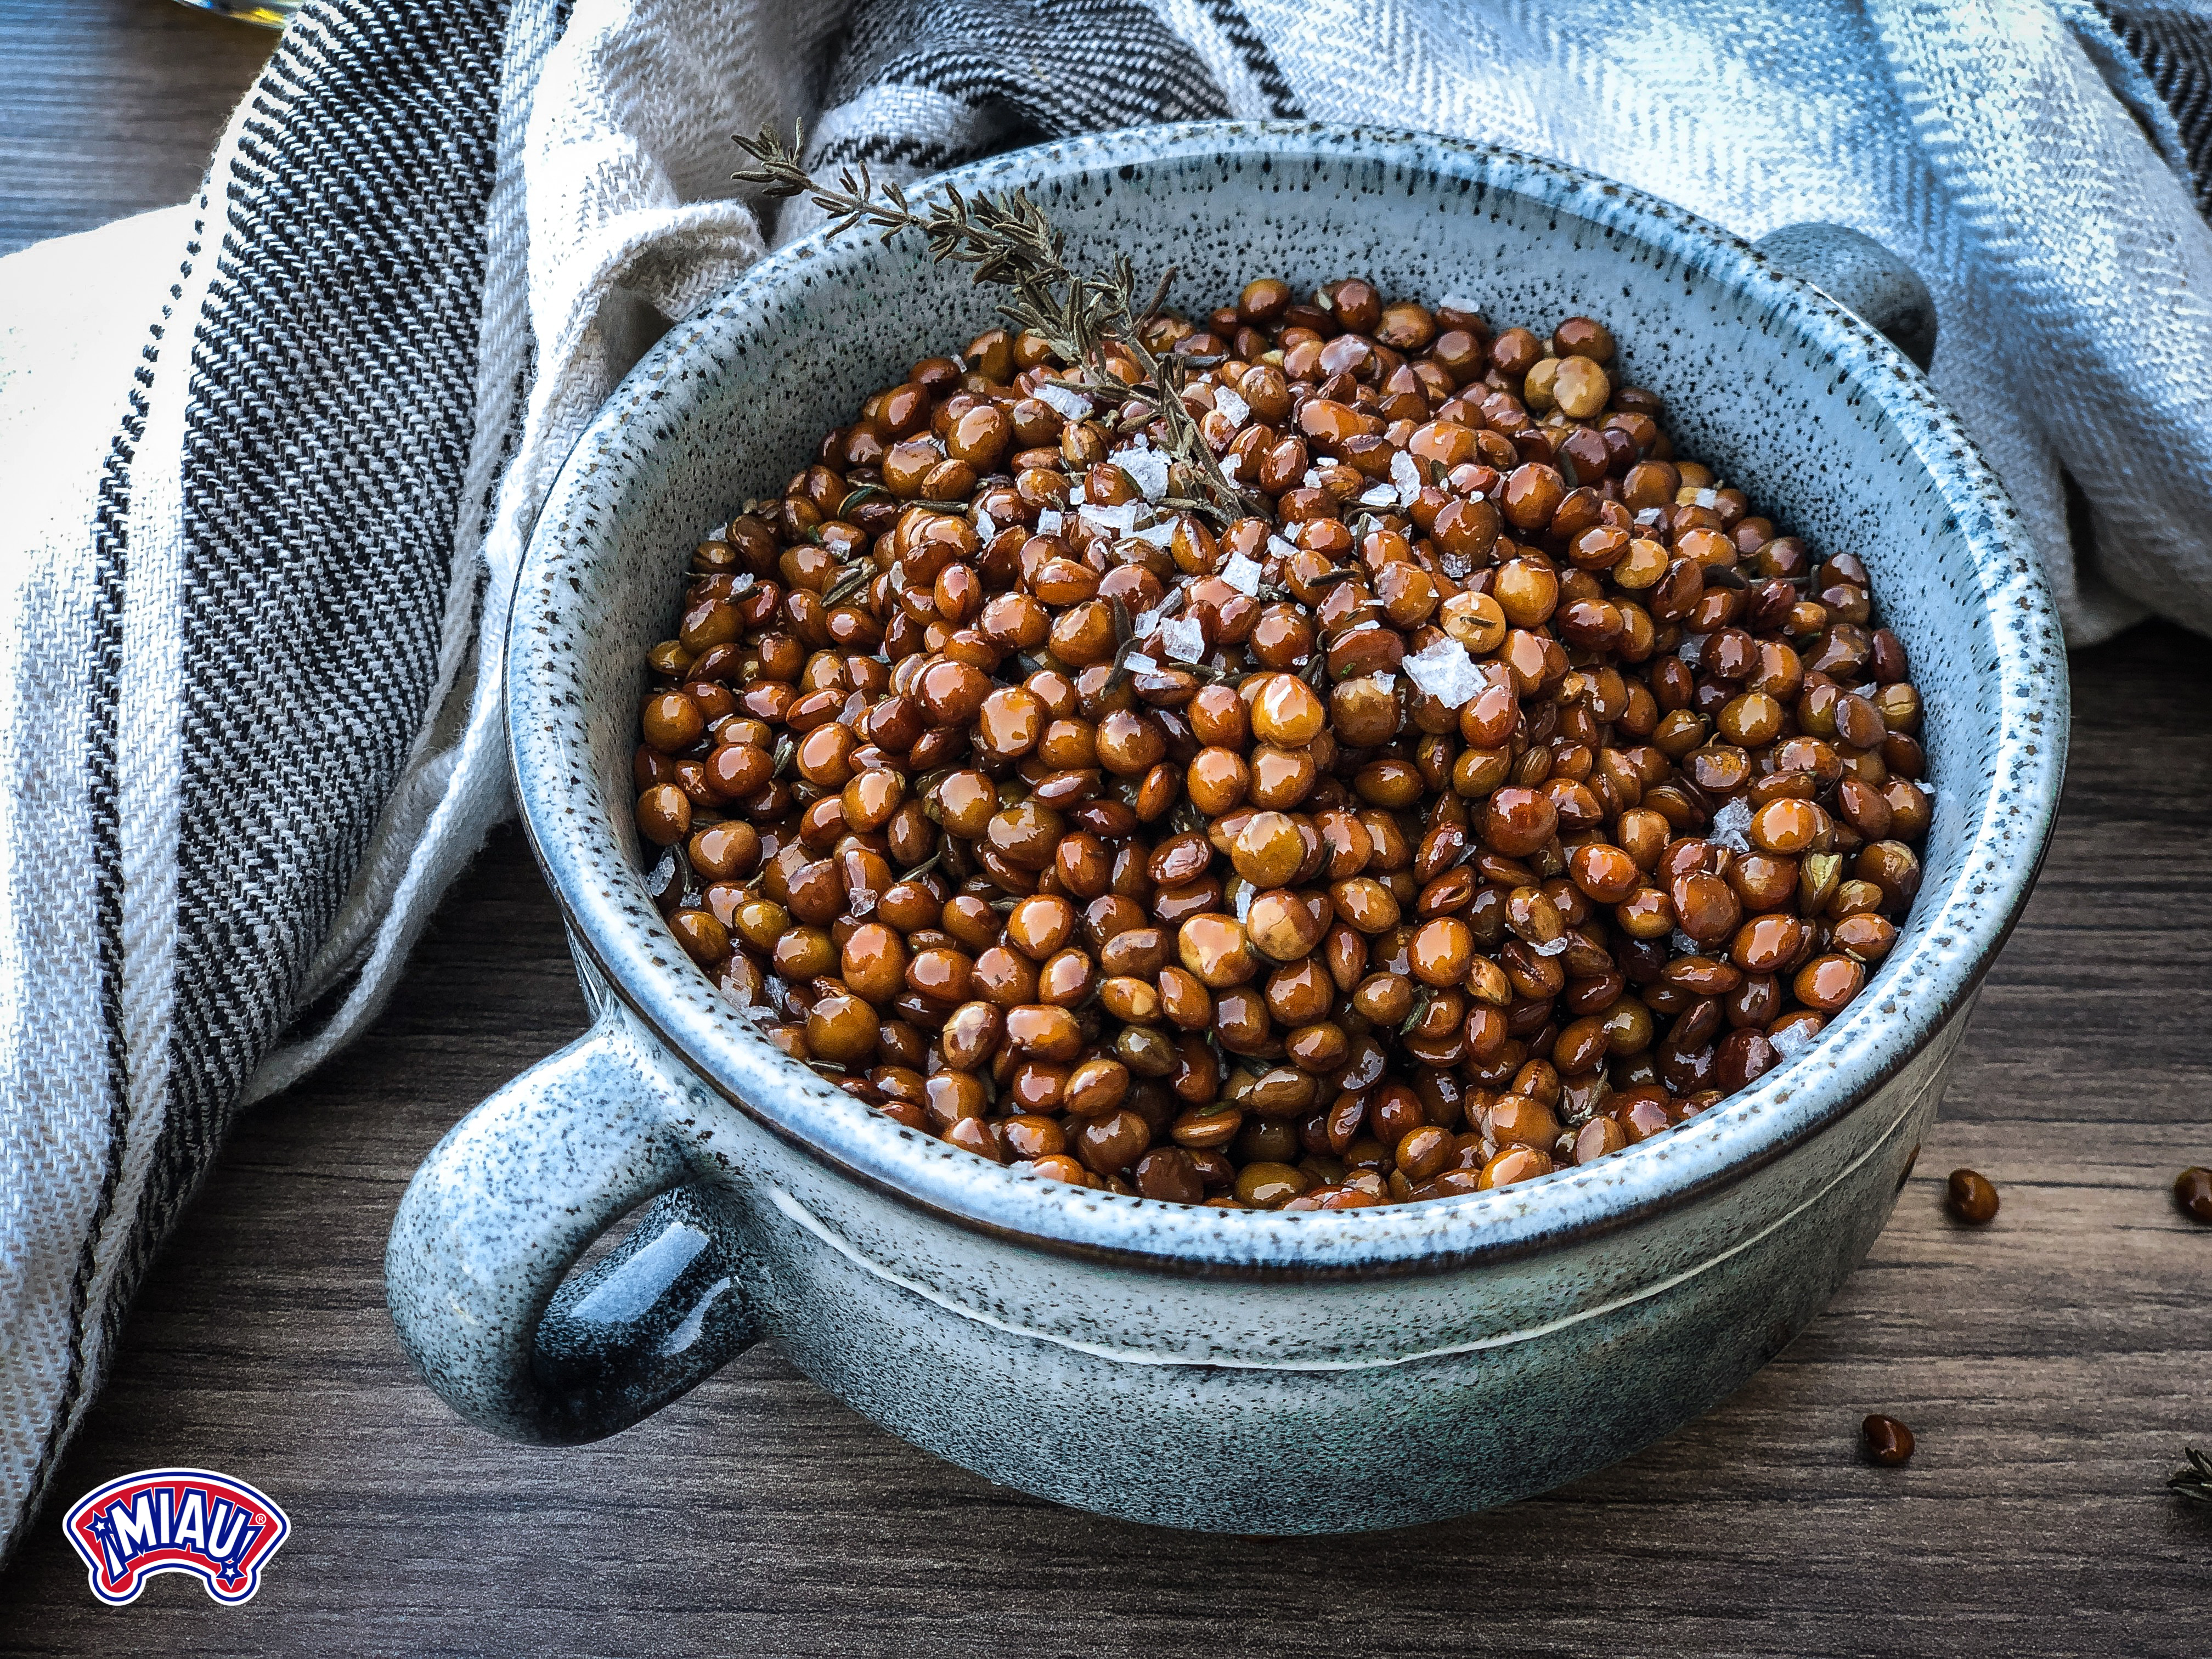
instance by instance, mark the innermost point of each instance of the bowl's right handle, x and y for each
(476, 1270)
(1862, 276)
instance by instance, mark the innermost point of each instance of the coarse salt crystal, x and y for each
(1065, 399)
(1446, 673)
(1120, 518)
(1709, 498)
(1158, 535)
(1049, 521)
(1241, 573)
(1693, 648)
(1729, 824)
(1183, 640)
(1792, 1041)
(1232, 466)
(1683, 945)
(1230, 404)
(1648, 516)
(1406, 476)
(985, 526)
(1457, 564)
(1279, 548)
(1380, 495)
(1138, 663)
(860, 901)
(1456, 302)
(1147, 470)
(743, 584)
(1383, 682)
(1312, 480)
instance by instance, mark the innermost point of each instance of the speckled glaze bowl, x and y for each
(1187, 1366)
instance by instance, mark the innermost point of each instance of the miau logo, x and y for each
(218, 1529)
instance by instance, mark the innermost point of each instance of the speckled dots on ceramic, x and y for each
(1182, 1365)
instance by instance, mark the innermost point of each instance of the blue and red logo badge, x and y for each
(218, 1529)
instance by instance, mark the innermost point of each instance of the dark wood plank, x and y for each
(111, 106)
(2052, 1366)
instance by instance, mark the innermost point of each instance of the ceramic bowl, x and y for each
(1188, 1366)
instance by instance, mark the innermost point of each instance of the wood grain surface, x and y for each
(111, 106)
(2052, 1365)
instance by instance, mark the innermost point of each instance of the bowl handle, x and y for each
(1862, 276)
(505, 1204)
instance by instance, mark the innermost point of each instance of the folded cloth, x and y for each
(273, 458)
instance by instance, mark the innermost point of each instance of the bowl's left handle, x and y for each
(476, 1269)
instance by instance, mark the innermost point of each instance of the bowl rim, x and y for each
(628, 948)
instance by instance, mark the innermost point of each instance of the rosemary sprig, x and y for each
(1012, 243)
(2193, 1484)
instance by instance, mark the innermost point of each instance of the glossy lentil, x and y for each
(1498, 793)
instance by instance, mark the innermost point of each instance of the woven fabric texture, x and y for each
(273, 458)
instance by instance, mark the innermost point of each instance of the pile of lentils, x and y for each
(1509, 795)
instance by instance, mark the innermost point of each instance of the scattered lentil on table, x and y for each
(1512, 794)
(1972, 1197)
(1887, 1440)
(2192, 1192)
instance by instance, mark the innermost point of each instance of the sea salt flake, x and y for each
(1155, 535)
(1241, 573)
(1457, 564)
(1231, 466)
(743, 584)
(985, 526)
(1383, 682)
(1380, 495)
(1792, 1041)
(1278, 548)
(1456, 302)
(1120, 519)
(1406, 476)
(1648, 516)
(1729, 824)
(1312, 479)
(1183, 640)
(861, 901)
(1049, 521)
(1147, 470)
(1138, 663)
(1065, 399)
(1682, 945)
(1446, 673)
(1230, 404)
(1709, 498)
(1693, 648)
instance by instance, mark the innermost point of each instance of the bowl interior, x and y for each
(1834, 435)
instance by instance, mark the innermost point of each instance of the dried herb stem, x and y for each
(1085, 318)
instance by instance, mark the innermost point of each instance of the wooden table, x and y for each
(2052, 1365)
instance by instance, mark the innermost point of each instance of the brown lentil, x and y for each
(1972, 1198)
(1887, 1440)
(1236, 911)
(2192, 1192)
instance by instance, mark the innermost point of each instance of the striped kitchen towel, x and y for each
(271, 458)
